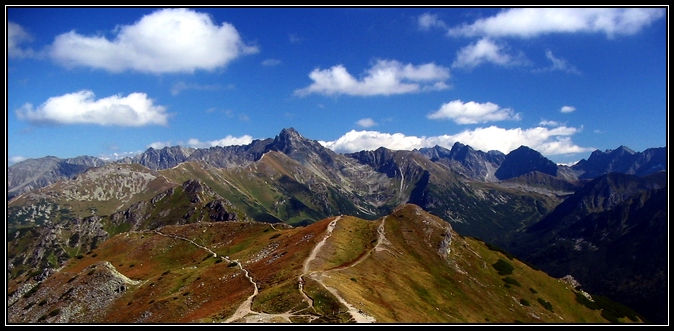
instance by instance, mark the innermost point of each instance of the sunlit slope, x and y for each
(407, 267)
(420, 271)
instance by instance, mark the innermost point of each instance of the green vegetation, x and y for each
(610, 310)
(31, 291)
(499, 249)
(545, 304)
(511, 281)
(503, 267)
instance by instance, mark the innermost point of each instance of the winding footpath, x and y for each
(244, 314)
(356, 314)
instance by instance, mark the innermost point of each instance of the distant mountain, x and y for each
(167, 157)
(35, 173)
(406, 267)
(469, 162)
(524, 160)
(623, 160)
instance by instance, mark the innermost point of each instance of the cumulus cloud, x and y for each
(229, 140)
(555, 141)
(386, 77)
(355, 141)
(16, 36)
(427, 21)
(473, 112)
(166, 41)
(533, 22)
(366, 122)
(486, 50)
(82, 107)
(567, 109)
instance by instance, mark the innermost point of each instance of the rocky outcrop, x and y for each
(219, 211)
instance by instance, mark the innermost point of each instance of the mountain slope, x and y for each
(611, 235)
(623, 160)
(32, 174)
(408, 267)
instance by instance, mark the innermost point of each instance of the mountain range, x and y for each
(562, 220)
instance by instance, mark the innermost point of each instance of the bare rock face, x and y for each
(167, 157)
(219, 211)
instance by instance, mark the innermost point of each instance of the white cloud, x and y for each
(549, 123)
(386, 77)
(165, 41)
(558, 64)
(119, 155)
(532, 22)
(271, 62)
(160, 144)
(427, 21)
(473, 113)
(229, 140)
(355, 141)
(82, 108)
(366, 122)
(486, 50)
(567, 109)
(15, 159)
(16, 36)
(554, 141)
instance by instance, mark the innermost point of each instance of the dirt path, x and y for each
(245, 314)
(356, 314)
(379, 247)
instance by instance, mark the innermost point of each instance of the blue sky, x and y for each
(111, 82)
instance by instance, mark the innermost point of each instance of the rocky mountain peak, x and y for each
(288, 141)
(523, 160)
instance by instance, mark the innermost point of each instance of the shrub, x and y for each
(499, 249)
(580, 298)
(533, 291)
(545, 304)
(611, 308)
(511, 281)
(503, 267)
(31, 291)
(525, 302)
